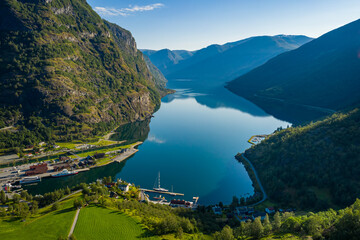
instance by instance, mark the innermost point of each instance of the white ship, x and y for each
(65, 173)
(26, 180)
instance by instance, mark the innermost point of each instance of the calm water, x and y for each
(192, 141)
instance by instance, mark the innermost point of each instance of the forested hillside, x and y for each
(66, 73)
(323, 73)
(312, 167)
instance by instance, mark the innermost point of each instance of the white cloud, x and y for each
(106, 11)
(155, 139)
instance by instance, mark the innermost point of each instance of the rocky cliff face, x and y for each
(62, 63)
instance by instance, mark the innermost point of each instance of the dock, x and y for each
(256, 139)
(154, 191)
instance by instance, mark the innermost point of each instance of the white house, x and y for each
(124, 187)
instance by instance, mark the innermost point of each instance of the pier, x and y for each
(154, 191)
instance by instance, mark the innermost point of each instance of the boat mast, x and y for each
(159, 179)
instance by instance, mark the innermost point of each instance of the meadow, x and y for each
(102, 223)
(45, 225)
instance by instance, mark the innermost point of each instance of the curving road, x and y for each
(257, 179)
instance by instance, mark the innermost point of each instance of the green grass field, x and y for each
(47, 226)
(102, 223)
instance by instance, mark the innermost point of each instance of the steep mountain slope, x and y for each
(324, 73)
(159, 79)
(224, 62)
(62, 65)
(315, 166)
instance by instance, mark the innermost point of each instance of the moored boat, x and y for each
(65, 173)
(160, 189)
(27, 180)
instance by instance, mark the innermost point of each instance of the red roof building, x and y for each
(37, 169)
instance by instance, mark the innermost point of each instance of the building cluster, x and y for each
(244, 213)
(64, 162)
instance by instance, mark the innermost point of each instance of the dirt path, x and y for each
(107, 136)
(74, 222)
(6, 128)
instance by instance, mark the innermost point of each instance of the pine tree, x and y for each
(34, 207)
(2, 197)
(267, 225)
(257, 228)
(179, 233)
(225, 234)
(277, 221)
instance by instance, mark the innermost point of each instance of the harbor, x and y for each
(162, 192)
(160, 199)
(62, 167)
(256, 139)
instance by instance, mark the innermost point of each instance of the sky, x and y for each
(194, 24)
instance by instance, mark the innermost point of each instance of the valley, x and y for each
(254, 138)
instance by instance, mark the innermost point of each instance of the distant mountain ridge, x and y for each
(323, 73)
(165, 58)
(223, 63)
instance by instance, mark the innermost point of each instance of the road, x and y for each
(68, 196)
(74, 222)
(321, 109)
(257, 179)
(6, 128)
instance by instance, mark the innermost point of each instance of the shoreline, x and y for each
(11, 177)
(250, 169)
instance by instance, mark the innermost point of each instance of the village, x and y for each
(247, 213)
(68, 162)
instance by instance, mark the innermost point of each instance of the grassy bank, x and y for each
(46, 224)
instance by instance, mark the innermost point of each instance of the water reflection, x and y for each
(132, 132)
(215, 95)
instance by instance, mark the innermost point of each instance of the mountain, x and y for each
(322, 73)
(65, 70)
(165, 59)
(313, 166)
(159, 79)
(223, 62)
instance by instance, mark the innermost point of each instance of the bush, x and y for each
(55, 206)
